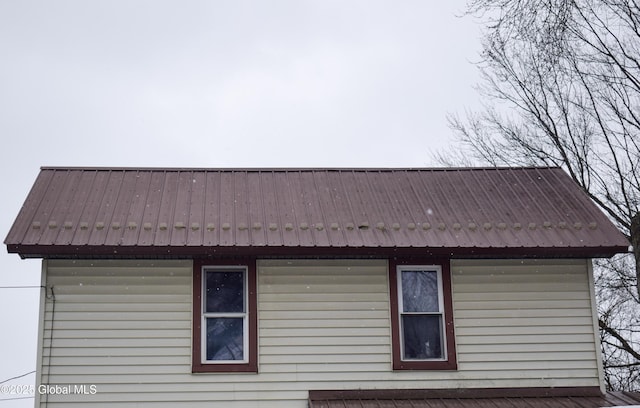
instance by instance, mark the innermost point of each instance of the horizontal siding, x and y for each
(524, 316)
(356, 312)
(126, 327)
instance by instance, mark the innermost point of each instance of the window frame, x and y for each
(449, 362)
(199, 363)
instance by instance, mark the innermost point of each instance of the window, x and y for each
(224, 317)
(422, 316)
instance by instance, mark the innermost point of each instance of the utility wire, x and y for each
(30, 372)
(15, 398)
(18, 376)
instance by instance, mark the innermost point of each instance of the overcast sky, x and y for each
(280, 83)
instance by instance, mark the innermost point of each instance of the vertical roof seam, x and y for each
(279, 221)
(294, 215)
(84, 207)
(466, 213)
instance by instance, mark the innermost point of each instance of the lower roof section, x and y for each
(474, 398)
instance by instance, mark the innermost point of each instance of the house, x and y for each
(316, 287)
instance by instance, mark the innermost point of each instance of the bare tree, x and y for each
(562, 83)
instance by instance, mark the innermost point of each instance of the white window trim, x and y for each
(205, 315)
(441, 312)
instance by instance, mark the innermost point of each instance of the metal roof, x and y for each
(172, 212)
(319, 399)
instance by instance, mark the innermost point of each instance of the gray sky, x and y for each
(281, 83)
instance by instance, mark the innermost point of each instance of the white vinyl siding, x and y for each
(125, 326)
(525, 319)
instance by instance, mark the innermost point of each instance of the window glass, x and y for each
(420, 291)
(224, 291)
(225, 339)
(421, 317)
(422, 337)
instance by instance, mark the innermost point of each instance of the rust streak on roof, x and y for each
(148, 211)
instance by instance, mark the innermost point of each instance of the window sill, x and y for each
(425, 365)
(223, 368)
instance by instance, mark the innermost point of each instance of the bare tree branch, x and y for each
(561, 83)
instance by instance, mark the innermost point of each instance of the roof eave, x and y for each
(89, 251)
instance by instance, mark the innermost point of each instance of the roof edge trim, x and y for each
(77, 252)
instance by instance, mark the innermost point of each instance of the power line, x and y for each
(18, 376)
(15, 398)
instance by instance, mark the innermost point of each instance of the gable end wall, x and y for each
(125, 326)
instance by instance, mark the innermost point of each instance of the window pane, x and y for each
(224, 292)
(420, 291)
(224, 338)
(422, 336)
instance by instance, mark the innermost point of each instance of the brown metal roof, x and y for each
(141, 212)
(499, 398)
